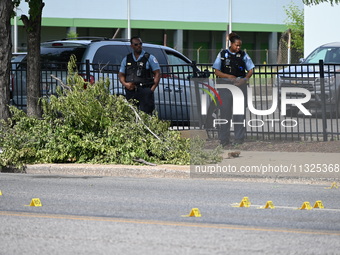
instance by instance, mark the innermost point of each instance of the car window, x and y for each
(109, 55)
(18, 57)
(55, 56)
(328, 55)
(158, 53)
(174, 58)
(51, 57)
(17, 62)
(333, 56)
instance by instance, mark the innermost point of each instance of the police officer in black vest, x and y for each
(232, 66)
(140, 74)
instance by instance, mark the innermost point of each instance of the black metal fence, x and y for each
(317, 118)
(179, 97)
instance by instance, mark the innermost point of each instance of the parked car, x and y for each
(307, 75)
(174, 97)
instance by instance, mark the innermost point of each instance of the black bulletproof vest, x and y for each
(136, 70)
(233, 64)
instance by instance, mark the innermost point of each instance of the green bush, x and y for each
(89, 126)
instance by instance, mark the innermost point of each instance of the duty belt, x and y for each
(144, 85)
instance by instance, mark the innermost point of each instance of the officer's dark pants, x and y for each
(145, 98)
(226, 113)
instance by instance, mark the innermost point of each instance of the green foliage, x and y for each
(295, 22)
(89, 126)
(72, 34)
(315, 2)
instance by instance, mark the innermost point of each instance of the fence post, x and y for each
(87, 70)
(197, 94)
(323, 100)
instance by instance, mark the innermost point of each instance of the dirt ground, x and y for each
(326, 147)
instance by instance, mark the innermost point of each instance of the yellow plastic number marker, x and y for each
(244, 203)
(269, 205)
(195, 212)
(0, 193)
(35, 202)
(333, 186)
(306, 206)
(318, 204)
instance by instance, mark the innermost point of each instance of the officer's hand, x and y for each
(240, 81)
(130, 86)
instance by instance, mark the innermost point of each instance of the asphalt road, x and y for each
(107, 215)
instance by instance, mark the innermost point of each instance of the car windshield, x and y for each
(328, 55)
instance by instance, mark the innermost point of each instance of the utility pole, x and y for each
(15, 33)
(128, 19)
(230, 28)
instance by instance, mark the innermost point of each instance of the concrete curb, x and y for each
(297, 162)
(182, 172)
(162, 171)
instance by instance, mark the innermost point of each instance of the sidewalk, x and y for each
(250, 165)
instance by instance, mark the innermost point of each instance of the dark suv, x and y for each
(308, 75)
(173, 96)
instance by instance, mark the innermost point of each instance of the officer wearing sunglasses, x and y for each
(140, 74)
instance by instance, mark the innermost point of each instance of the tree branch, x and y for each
(25, 20)
(61, 82)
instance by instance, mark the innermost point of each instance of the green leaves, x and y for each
(315, 2)
(90, 126)
(295, 22)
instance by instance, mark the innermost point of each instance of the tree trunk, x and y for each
(6, 9)
(33, 28)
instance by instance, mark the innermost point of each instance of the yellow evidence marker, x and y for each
(318, 204)
(306, 206)
(333, 186)
(35, 202)
(269, 205)
(244, 203)
(195, 212)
